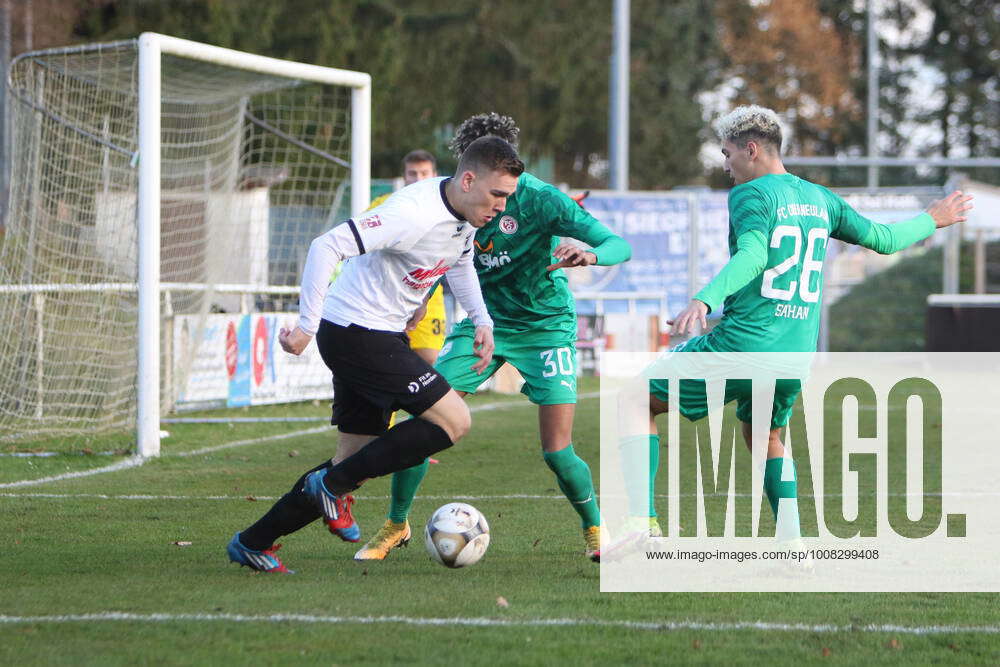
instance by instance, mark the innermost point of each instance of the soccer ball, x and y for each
(457, 535)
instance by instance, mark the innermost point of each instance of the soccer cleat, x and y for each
(801, 566)
(336, 509)
(592, 536)
(638, 532)
(390, 536)
(262, 561)
(627, 544)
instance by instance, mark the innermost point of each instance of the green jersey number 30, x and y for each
(558, 361)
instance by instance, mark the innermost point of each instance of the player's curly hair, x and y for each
(484, 125)
(749, 123)
(491, 154)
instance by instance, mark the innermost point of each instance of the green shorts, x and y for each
(546, 360)
(693, 396)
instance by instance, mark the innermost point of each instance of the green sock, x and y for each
(573, 475)
(404, 488)
(634, 450)
(777, 489)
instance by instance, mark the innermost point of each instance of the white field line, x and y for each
(254, 441)
(132, 462)
(102, 496)
(511, 623)
(138, 461)
(508, 496)
(322, 429)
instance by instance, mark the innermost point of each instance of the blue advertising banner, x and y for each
(658, 227)
(239, 378)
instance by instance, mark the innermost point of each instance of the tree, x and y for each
(790, 56)
(675, 58)
(435, 62)
(962, 46)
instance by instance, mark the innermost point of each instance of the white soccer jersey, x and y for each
(401, 249)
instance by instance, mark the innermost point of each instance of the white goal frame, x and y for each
(152, 47)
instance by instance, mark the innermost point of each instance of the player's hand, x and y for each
(570, 254)
(691, 316)
(294, 341)
(482, 346)
(951, 209)
(416, 318)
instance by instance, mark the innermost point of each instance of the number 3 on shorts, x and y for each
(557, 361)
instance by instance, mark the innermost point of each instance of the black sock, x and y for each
(292, 512)
(403, 446)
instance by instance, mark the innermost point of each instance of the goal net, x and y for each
(163, 197)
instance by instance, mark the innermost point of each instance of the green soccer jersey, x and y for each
(779, 309)
(514, 249)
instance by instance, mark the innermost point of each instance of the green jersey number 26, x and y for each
(810, 264)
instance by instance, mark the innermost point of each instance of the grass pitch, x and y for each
(92, 573)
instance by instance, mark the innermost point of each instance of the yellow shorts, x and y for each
(429, 334)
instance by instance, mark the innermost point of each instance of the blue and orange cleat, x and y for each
(262, 561)
(336, 509)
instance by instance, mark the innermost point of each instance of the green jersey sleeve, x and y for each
(748, 210)
(846, 224)
(570, 219)
(850, 226)
(887, 239)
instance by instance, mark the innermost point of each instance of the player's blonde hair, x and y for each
(749, 123)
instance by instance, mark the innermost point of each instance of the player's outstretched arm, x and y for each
(607, 248)
(568, 219)
(570, 254)
(746, 264)
(852, 227)
(951, 209)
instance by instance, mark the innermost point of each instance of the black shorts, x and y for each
(375, 373)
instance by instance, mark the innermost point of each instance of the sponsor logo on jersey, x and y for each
(508, 224)
(370, 222)
(423, 278)
(488, 248)
(803, 210)
(489, 262)
(421, 382)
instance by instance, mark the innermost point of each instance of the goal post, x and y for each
(151, 48)
(155, 179)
